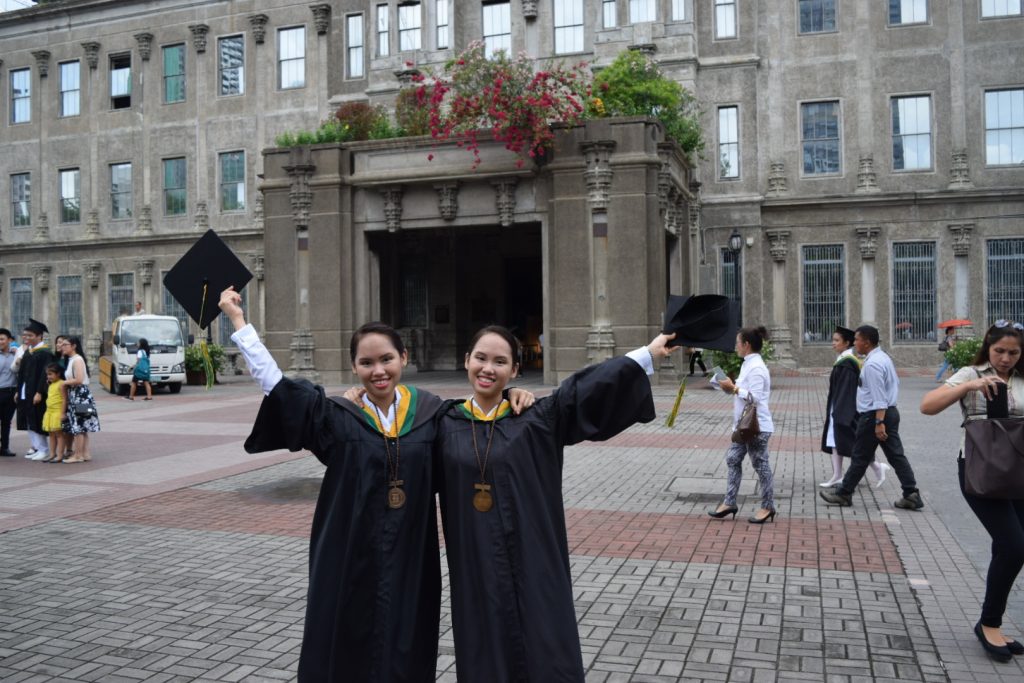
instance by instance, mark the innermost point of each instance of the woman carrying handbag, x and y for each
(991, 397)
(752, 426)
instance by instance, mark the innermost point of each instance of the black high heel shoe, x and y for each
(719, 514)
(1000, 653)
(770, 517)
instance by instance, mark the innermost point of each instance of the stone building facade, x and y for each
(868, 155)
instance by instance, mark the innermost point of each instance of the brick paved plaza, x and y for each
(175, 556)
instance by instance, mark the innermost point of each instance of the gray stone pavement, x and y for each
(174, 556)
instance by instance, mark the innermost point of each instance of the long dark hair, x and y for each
(754, 336)
(993, 335)
(376, 327)
(76, 343)
(502, 332)
(144, 345)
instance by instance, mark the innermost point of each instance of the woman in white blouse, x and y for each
(754, 382)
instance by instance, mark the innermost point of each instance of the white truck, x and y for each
(166, 352)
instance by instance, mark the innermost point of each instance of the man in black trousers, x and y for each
(878, 424)
(8, 385)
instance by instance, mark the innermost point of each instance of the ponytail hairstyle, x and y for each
(504, 333)
(755, 336)
(380, 328)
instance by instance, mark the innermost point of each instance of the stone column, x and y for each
(961, 250)
(301, 197)
(257, 296)
(145, 268)
(780, 333)
(868, 239)
(94, 339)
(598, 176)
(41, 275)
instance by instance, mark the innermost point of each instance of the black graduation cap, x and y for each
(36, 327)
(198, 278)
(707, 321)
(845, 332)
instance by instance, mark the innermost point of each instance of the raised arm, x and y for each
(262, 365)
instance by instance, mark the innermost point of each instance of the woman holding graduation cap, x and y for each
(501, 502)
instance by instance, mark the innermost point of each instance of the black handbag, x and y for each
(994, 458)
(747, 428)
(83, 409)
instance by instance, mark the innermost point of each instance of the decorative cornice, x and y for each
(648, 49)
(868, 242)
(321, 17)
(505, 200)
(778, 244)
(447, 200)
(42, 276)
(42, 62)
(258, 22)
(598, 174)
(145, 41)
(529, 9)
(961, 238)
(199, 32)
(92, 53)
(91, 269)
(145, 267)
(392, 207)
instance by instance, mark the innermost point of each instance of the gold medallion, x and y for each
(482, 501)
(396, 498)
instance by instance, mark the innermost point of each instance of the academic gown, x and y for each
(32, 373)
(841, 405)
(373, 607)
(512, 601)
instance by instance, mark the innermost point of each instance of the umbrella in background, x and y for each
(905, 325)
(955, 322)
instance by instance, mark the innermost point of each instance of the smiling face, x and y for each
(490, 366)
(379, 367)
(1004, 354)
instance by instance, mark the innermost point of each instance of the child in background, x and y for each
(54, 415)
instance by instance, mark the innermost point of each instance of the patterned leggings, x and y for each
(758, 452)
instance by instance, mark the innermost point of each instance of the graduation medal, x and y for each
(396, 496)
(482, 499)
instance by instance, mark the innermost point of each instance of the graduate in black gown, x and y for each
(31, 389)
(501, 501)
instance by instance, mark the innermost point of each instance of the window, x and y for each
(120, 81)
(174, 73)
(820, 136)
(642, 10)
(70, 195)
(1005, 295)
(609, 12)
(568, 26)
(21, 200)
(497, 28)
(122, 294)
(383, 35)
(911, 133)
(725, 18)
(824, 299)
(70, 89)
(172, 307)
(226, 328)
(1004, 127)
(1000, 8)
(232, 181)
(913, 291)
(175, 193)
(291, 57)
(908, 12)
(120, 190)
(354, 36)
(413, 309)
(732, 277)
(231, 65)
(443, 26)
(21, 96)
(678, 10)
(817, 16)
(728, 142)
(410, 19)
(69, 304)
(21, 302)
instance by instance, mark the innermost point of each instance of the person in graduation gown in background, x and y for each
(373, 607)
(501, 502)
(31, 393)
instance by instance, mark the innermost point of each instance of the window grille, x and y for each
(21, 302)
(443, 25)
(226, 328)
(120, 81)
(568, 26)
(642, 10)
(356, 55)
(817, 16)
(291, 57)
(609, 12)
(231, 65)
(69, 304)
(175, 189)
(172, 307)
(1004, 127)
(21, 96)
(497, 28)
(21, 199)
(414, 294)
(122, 294)
(732, 277)
(911, 133)
(1005, 296)
(174, 73)
(120, 190)
(410, 21)
(70, 196)
(70, 89)
(820, 136)
(913, 291)
(725, 18)
(232, 181)
(728, 142)
(383, 37)
(908, 12)
(824, 295)
(1000, 8)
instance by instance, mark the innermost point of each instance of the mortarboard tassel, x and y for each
(671, 421)
(203, 348)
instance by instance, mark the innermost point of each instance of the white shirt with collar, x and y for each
(754, 380)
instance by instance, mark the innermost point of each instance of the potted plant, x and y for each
(195, 372)
(730, 362)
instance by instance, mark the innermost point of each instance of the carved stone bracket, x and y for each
(42, 276)
(201, 219)
(672, 207)
(961, 238)
(960, 171)
(42, 231)
(598, 174)
(392, 207)
(145, 224)
(145, 267)
(505, 200)
(92, 224)
(778, 244)
(92, 272)
(529, 9)
(145, 41)
(447, 200)
(257, 265)
(199, 32)
(258, 22)
(645, 48)
(868, 239)
(321, 17)
(777, 178)
(92, 53)
(866, 180)
(42, 62)
(258, 222)
(407, 77)
(302, 347)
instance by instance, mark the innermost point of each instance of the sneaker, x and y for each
(30, 452)
(40, 455)
(833, 497)
(910, 502)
